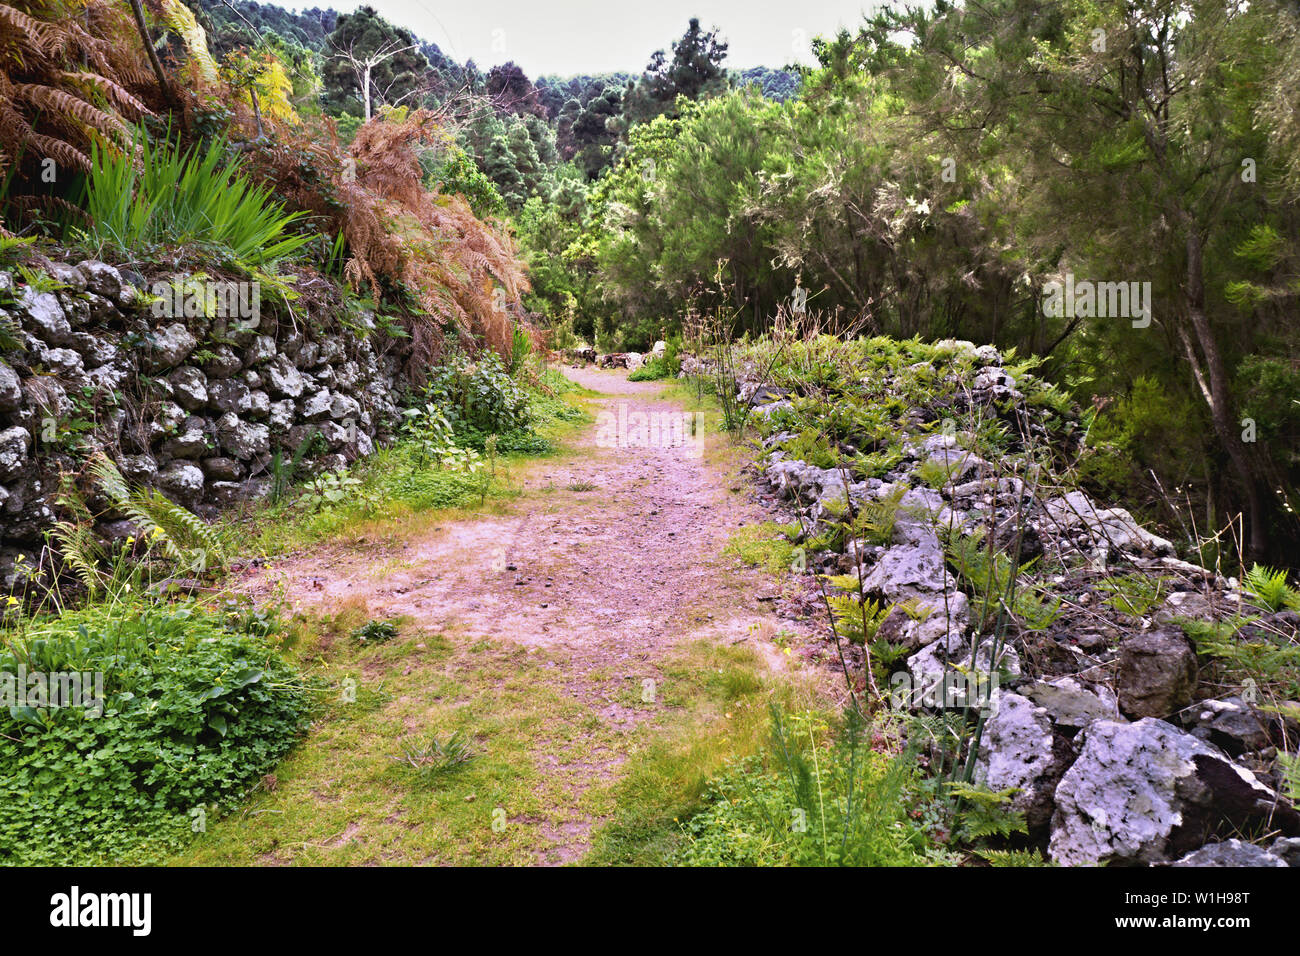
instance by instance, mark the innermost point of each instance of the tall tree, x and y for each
(694, 71)
(370, 63)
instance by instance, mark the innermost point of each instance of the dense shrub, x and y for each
(196, 706)
(478, 396)
(660, 366)
(1143, 430)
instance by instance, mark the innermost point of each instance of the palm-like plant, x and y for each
(159, 195)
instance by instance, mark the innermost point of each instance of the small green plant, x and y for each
(11, 246)
(433, 758)
(167, 535)
(375, 632)
(857, 618)
(1269, 659)
(521, 349)
(1289, 764)
(1017, 858)
(283, 471)
(1271, 589)
(11, 334)
(875, 521)
(876, 463)
(811, 445)
(937, 474)
(817, 802)
(330, 488)
(38, 280)
(487, 476)
(434, 442)
(762, 546)
(983, 813)
(155, 195)
(993, 581)
(1134, 594)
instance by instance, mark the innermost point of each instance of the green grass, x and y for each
(763, 546)
(725, 693)
(544, 766)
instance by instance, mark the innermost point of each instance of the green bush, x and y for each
(660, 366)
(196, 707)
(1150, 428)
(478, 396)
(165, 197)
(810, 805)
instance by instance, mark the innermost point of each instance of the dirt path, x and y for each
(609, 561)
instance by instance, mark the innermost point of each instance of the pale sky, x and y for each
(596, 36)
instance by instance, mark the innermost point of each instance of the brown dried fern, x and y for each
(69, 76)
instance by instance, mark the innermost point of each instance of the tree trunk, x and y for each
(257, 109)
(1216, 379)
(151, 53)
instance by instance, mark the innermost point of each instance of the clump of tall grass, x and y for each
(158, 195)
(825, 797)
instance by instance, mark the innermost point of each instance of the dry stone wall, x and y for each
(190, 384)
(1121, 743)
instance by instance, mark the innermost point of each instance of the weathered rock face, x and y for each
(905, 570)
(1018, 750)
(1142, 792)
(1231, 853)
(183, 403)
(1072, 705)
(1157, 673)
(1233, 725)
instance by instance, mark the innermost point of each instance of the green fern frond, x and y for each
(1013, 857)
(80, 553)
(1271, 587)
(1289, 764)
(178, 533)
(109, 479)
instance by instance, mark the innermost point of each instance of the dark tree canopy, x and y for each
(513, 92)
(695, 71)
(394, 78)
